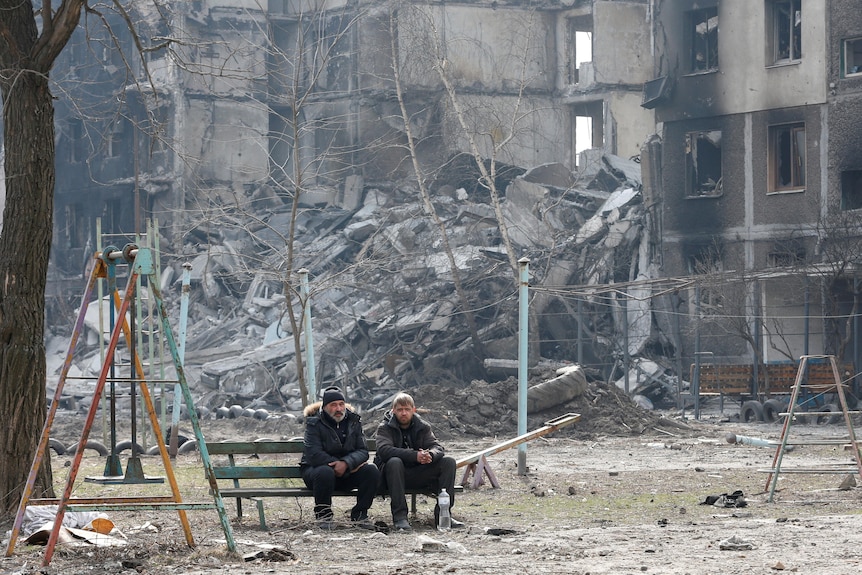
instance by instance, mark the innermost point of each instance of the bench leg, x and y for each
(413, 505)
(260, 514)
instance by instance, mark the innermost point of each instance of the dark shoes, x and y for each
(326, 524)
(364, 523)
(402, 525)
(360, 519)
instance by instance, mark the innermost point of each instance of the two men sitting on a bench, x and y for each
(336, 457)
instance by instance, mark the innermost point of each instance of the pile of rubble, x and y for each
(385, 315)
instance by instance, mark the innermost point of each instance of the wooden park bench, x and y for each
(266, 474)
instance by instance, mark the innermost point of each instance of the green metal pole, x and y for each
(523, 340)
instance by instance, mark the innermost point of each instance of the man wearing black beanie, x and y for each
(336, 457)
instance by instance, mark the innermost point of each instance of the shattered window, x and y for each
(852, 56)
(704, 43)
(851, 190)
(787, 156)
(703, 164)
(786, 30)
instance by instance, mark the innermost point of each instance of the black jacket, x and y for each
(323, 445)
(390, 439)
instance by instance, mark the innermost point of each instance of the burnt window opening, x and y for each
(117, 139)
(786, 33)
(703, 26)
(703, 258)
(851, 56)
(288, 59)
(851, 190)
(703, 164)
(77, 147)
(786, 254)
(332, 59)
(70, 227)
(155, 133)
(281, 145)
(579, 39)
(787, 157)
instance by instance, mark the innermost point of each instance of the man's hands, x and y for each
(340, 468)
(423, 457)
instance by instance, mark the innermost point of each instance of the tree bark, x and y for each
(28, 132)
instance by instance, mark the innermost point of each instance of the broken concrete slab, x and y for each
(553, 174)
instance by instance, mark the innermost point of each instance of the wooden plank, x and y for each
(548, 427)
(254, 447)
(257, 472)
(249, 492)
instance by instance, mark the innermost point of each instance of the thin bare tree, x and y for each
(422, 182)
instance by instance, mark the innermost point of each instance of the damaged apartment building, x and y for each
(755, 175)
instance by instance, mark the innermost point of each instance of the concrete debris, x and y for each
(735, 543)
(384, 312)
(570, 383)
(431, 545)
(646, 378)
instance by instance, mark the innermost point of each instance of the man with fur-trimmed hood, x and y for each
(336, 457)
(410, 456)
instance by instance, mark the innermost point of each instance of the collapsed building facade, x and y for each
(247, 110)
(239, 99)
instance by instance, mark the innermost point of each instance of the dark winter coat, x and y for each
(391, 439)
(323, 444)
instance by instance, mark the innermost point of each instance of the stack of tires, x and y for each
(770, 411)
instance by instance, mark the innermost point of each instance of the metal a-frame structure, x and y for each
(800, 386)
(141, 265)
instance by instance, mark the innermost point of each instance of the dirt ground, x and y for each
(620, 491)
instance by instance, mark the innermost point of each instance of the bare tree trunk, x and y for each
(28, 117)
(478, 347)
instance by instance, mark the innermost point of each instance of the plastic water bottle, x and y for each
(444, 521)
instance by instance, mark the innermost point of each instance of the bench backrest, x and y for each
(246, 471)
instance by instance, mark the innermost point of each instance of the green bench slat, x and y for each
(257, 472)
(264, 447)
(254, 447)
(248, 492)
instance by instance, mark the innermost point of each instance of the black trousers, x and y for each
(431, 477)
(322, 481)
